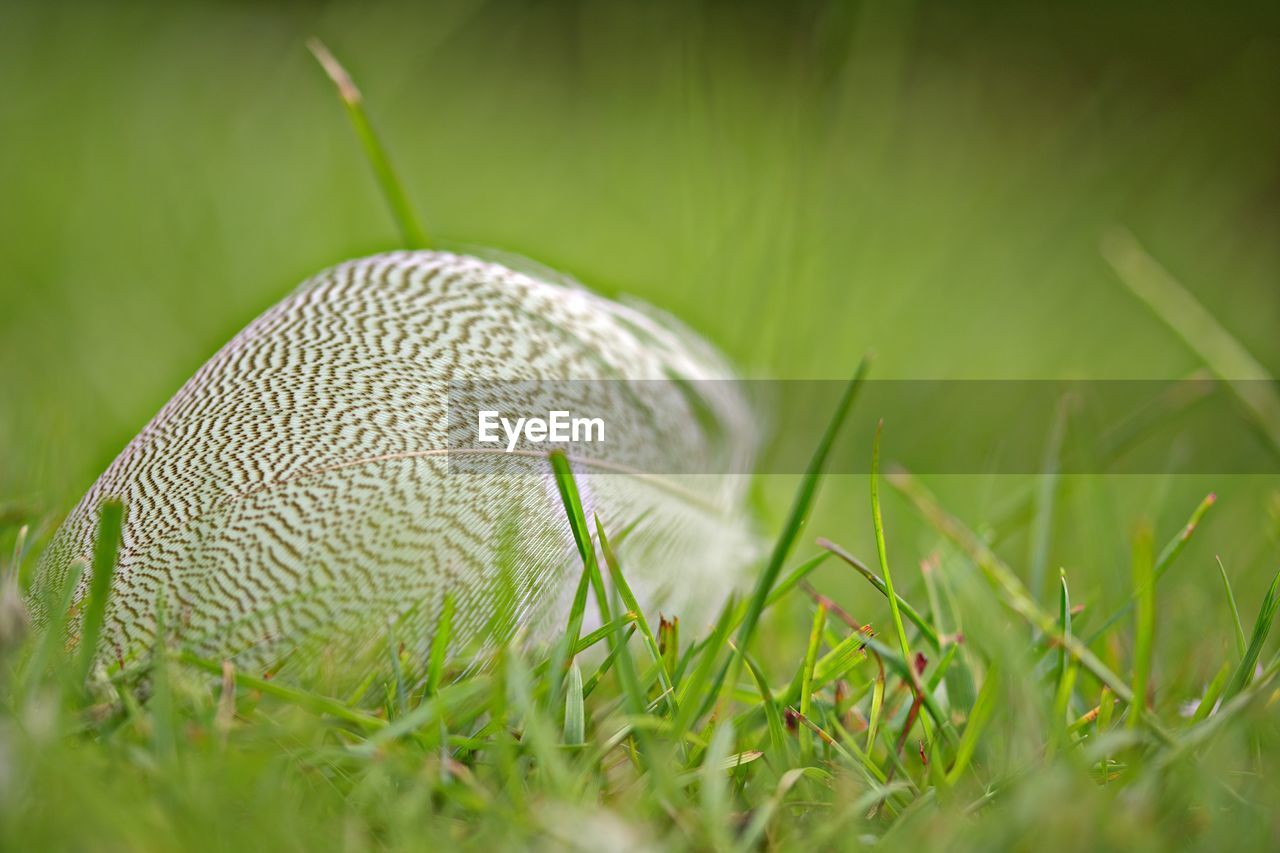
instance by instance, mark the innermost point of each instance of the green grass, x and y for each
(930, 182)
(837, 740)
(406, 219)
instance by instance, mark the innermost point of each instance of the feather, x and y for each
(297, 488)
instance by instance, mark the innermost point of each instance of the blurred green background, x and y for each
(801, 182)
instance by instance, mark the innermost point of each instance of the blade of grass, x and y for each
(597, 636)
(1145, 627)
(942, 667)
(926, 630)
(561, 652)
(1106, 709)
(698, 683)
(19, 550)
(634, 700)
(1067, 670)
(793, 579)
(225, 716)
(609, 659)
(537, 733)
(716, 795)
(1174, 400)
(1012, 593)
(837, 662)
(572, 501)
(397, 672)
(629, 599)
(312, 702)
(590, 577)
(1084, 720)
(1212, 693)
(848, 750)
(565, 649)
(392, 189)
(877, 521)
(110, 522)
(1183, 313)
(50, 647)
(502, 740)
(961, 680)
(806, 677)
(780, 591)
(1060, 732)
(796, 518)
(907, 672)
(877, 707)
(1045, 499)
(1235, 611)
(1200, 734)
(669, 643)
(439, 645)
(979, 717)
(928, 571)
(578, 525)
(464, 698)
(160, 705)
(1167, 556)
(632, 690)
(1064, 619)
(777, 734)
(575, 725)
(752, 835)
(1261, 628)
(1171, 403)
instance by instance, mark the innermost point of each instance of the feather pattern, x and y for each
(297, 487)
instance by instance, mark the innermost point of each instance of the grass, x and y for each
(989, 719)
(392, 187)
(837, 739)
(1218, 348)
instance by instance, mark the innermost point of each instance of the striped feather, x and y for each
(297, 489)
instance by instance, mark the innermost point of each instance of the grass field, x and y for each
(802, 183)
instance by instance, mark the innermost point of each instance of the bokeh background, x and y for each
(801, 182)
